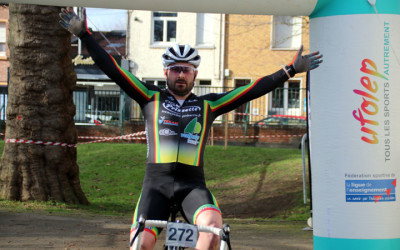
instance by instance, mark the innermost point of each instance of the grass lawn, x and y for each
(111, 175)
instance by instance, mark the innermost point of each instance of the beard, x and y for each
(180, 87)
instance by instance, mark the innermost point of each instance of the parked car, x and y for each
(283, 120)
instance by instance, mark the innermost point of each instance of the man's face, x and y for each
(180, 78)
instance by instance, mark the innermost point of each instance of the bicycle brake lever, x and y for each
(134, 238)
(226, 229)
(140, 227)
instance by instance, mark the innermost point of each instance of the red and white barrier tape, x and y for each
(122, 137)
(239, 137)
(237, 113)
(255, 136)
(133, 137)
(40, 143)
(294, 117)
(93, 137)
(127, 137)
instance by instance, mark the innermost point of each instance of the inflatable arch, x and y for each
(355, 110)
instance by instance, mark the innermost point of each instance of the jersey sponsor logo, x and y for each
(170, 113)
(175, 108)
(171, 106)
(163, 121)
(191, 109)
(191, 132)
(167, 132)
(191, 115)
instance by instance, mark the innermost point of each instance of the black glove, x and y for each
(304, 63)
(71, 22)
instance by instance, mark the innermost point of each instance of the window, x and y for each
(157, 82)
(286, 32)
(203, 87)
(3, 33)
(278, 97)
(164, 27)
(293, 95)
(205, 82)
(108, 103)
(285, 99)
(205, 29)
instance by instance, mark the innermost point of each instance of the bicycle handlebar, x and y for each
(223, 233)
(206, 229)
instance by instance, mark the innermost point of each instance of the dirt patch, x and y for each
(261, 195)
(37, 231)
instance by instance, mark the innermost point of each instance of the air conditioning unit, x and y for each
(227, 72)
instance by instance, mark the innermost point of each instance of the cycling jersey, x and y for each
(177, 134)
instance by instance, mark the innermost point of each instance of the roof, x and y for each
(85, 69)
(92, 72)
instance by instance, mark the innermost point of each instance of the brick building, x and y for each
(257, 45)
(4, 52)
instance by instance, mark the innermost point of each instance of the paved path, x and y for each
(38, 231)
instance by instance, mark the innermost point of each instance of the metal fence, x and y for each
(113, 107)
(100, 106)
(3, 103)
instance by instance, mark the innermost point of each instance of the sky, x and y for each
(106, 19)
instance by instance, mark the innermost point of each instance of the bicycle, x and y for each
(180, 235)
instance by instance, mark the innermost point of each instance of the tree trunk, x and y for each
(40, 108)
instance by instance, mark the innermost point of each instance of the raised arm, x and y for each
(128, 82)
(225, 102)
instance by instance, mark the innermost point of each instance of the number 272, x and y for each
(182, 232)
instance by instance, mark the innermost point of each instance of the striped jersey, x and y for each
(177, 134)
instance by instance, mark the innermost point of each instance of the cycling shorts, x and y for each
(166, 185)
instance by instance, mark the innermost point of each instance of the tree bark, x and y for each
(40, 107)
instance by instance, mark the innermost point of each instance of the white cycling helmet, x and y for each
(181, 53)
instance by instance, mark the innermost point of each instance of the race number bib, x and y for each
(181, 235)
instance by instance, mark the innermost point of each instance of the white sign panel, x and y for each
(355, 132)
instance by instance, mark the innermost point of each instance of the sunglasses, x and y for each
(179, 69)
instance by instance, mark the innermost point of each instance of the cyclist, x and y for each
(177, 127)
